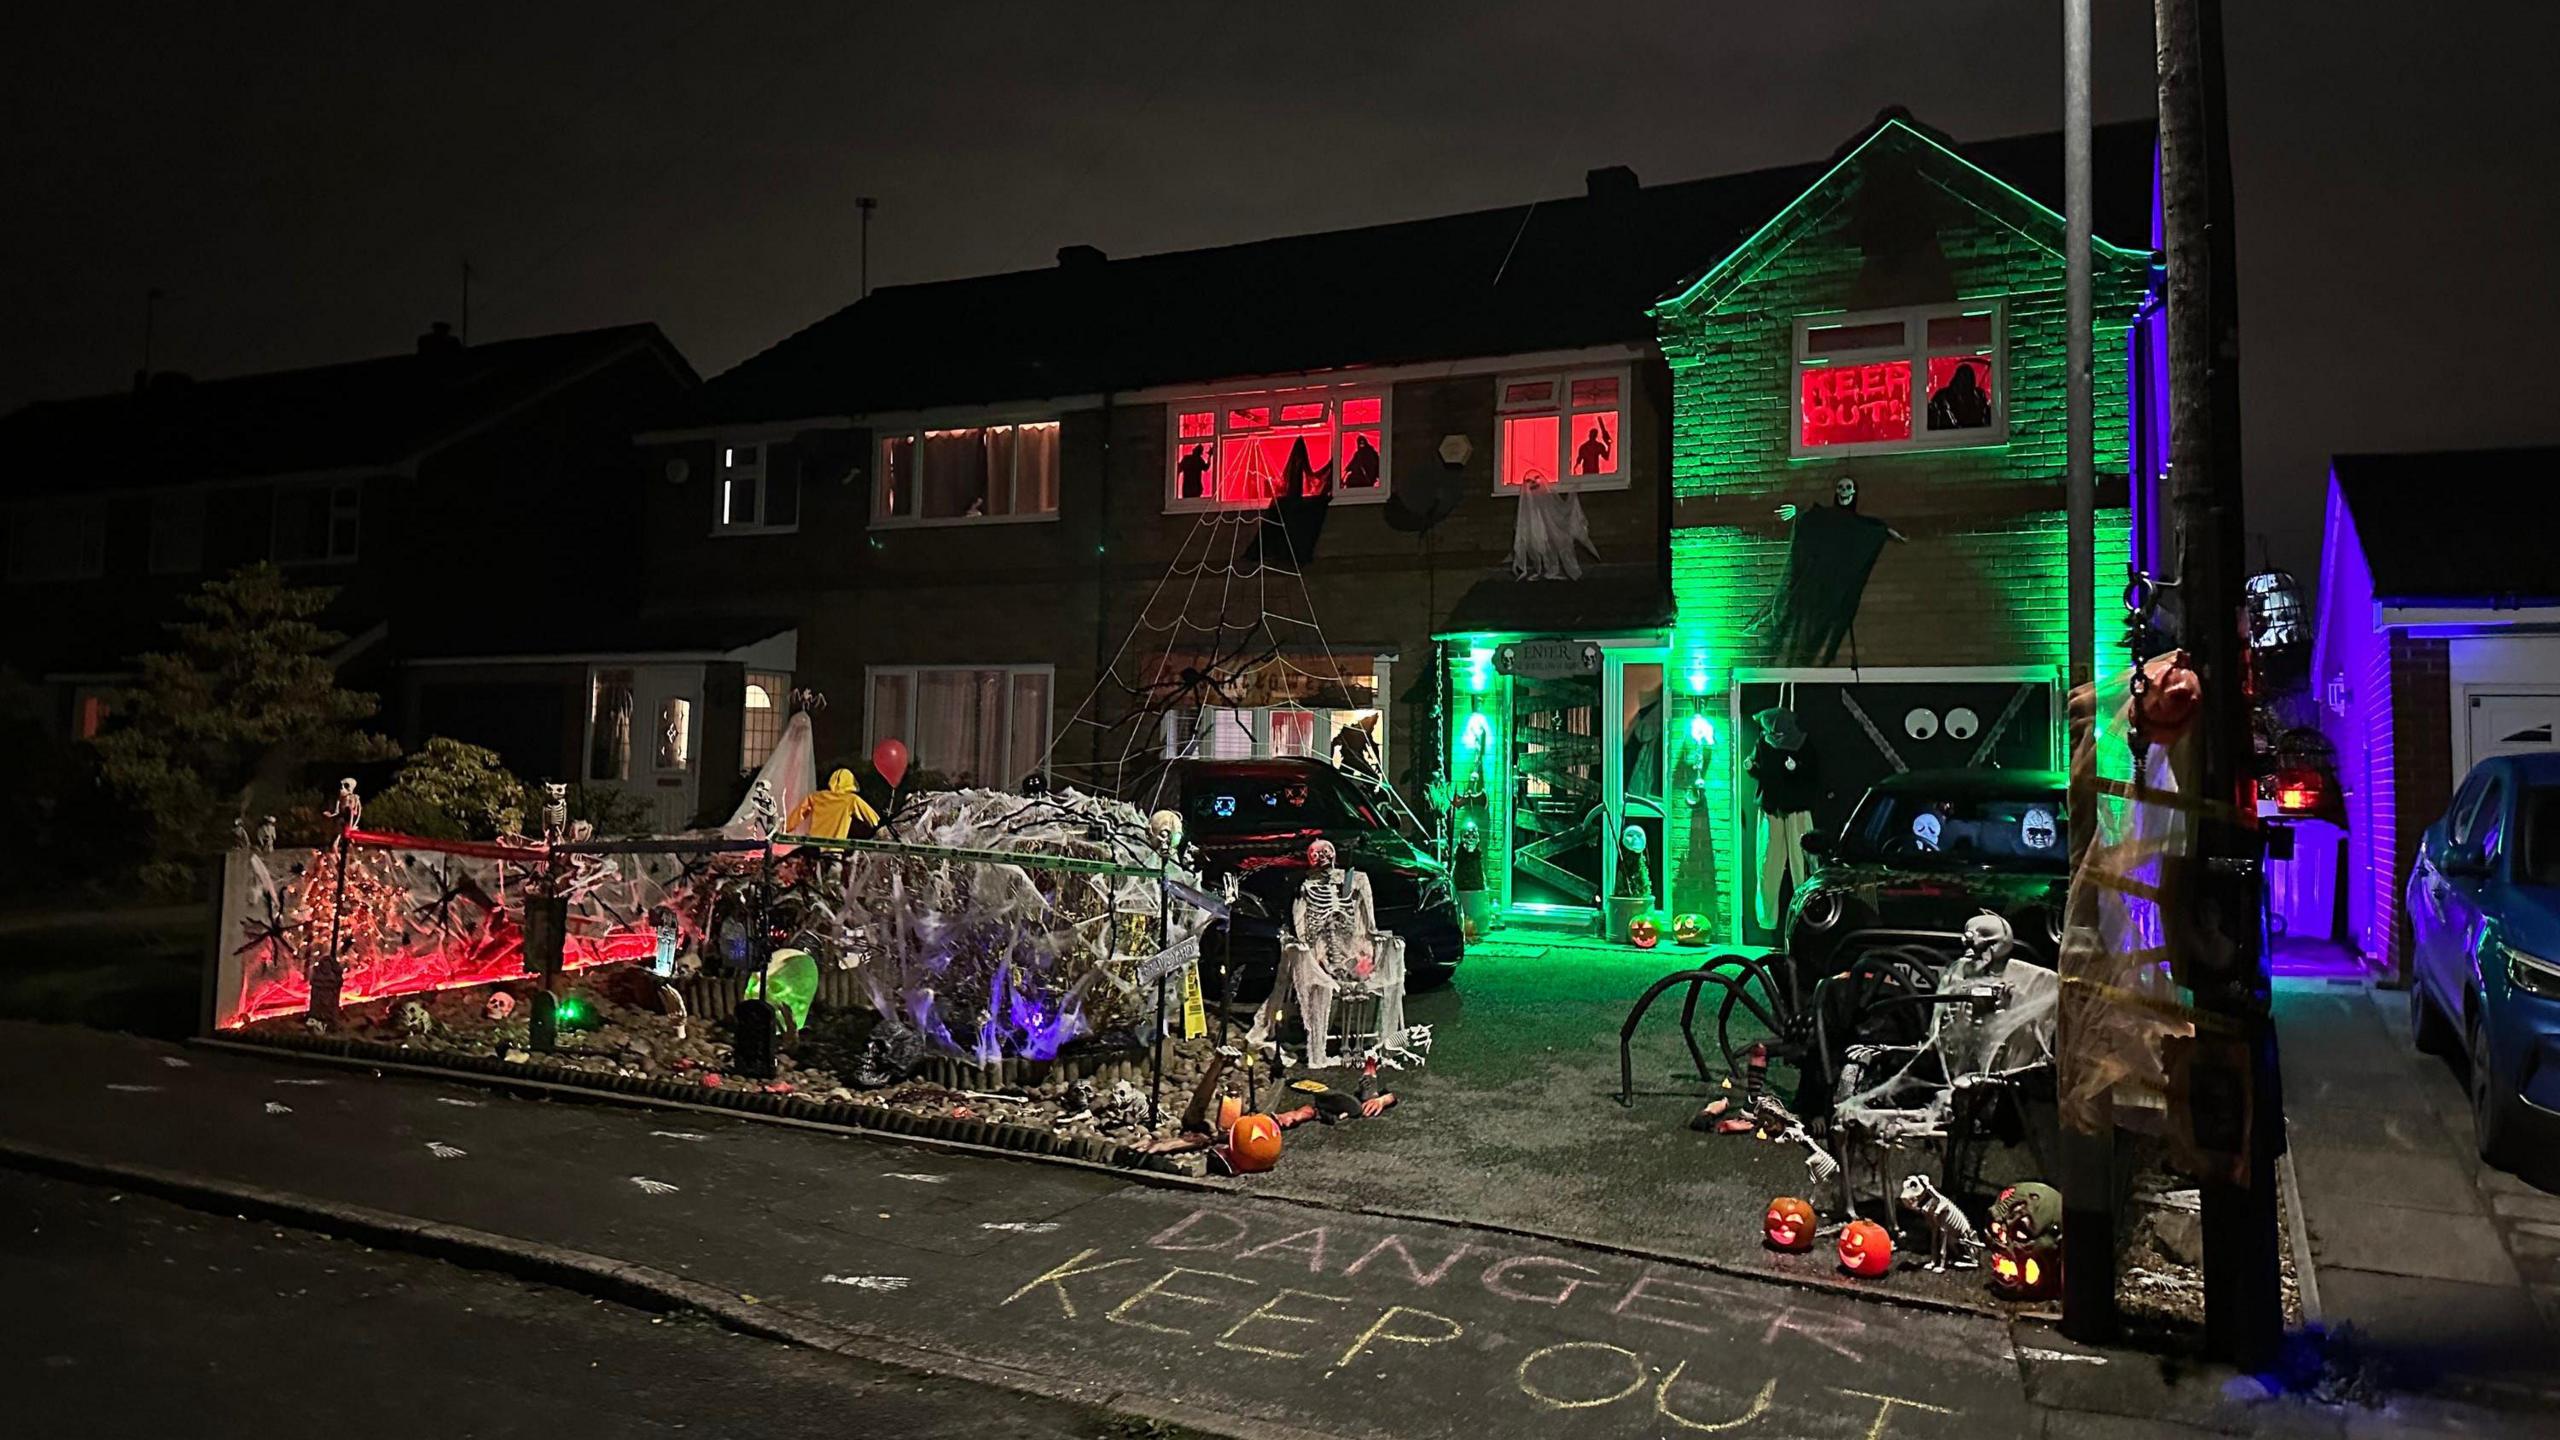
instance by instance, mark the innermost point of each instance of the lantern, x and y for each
(1865, 1249)
(1789, 1225)
(1690, 929)
(1643, 933)
(2274, 599)
(2026, 1241)
(1253, 1145)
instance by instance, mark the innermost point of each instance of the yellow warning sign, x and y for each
(1195, 1014)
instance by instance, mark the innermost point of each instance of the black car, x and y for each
(1926, 851)
(1255, 819)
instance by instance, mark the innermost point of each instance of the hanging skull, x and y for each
(498, 1006)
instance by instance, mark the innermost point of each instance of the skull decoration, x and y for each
(1789, 1225)
(1690, 929)
(499, 1006)
(2037, 829)
(1988, 940)
(2026, 1241)
(1321, 855)
(1643, 932)
(1865, 1249)
(1166, 828)
(415, 1019)
(1844, 492)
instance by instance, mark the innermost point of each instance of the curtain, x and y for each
(1036, 469)
(955, 473)
(1030, 738)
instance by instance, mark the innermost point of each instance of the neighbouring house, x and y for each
(474, 506)
(2437, 646)
(1003, 514)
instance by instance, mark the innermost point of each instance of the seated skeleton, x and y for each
(1335, 953)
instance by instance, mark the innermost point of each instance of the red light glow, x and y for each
(1855, 404)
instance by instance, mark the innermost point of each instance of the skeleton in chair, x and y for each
(1953, 1235)
(1336, 951)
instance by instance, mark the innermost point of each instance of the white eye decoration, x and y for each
(1920, 724)
(1962, 723)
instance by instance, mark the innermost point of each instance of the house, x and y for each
(446, 493)
(2437, 646)
(1007, 514)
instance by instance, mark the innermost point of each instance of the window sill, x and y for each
(1202, 507)
(1604, 485)
(735, 532)
(1873, 449)
(883, 522)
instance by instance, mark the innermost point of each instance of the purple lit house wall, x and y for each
(2351, 680)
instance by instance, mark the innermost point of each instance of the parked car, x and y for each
(1256, 818)
(2484, 925)
(1924, 852)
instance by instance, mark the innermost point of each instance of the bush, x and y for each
(450, 791)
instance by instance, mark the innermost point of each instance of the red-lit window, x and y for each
(1238, 451)
(1561, 429)
(1900, 380)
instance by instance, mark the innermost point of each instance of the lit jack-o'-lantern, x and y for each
(1643, 932)
(2026, 1241)
(1865, 1249)
(1253, 1144)
(1789, 1225)
(1689, 929)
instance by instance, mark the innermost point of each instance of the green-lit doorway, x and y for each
(1586, 762)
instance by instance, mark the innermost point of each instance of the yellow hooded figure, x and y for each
(829, 814)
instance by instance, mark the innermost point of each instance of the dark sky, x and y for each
(304, 181)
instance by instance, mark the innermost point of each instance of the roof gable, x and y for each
(2445, 525)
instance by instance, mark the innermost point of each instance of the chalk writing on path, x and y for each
(676, 1135)
(274, 1108)
(920, 1179)
(866, 1282)
(442, 1151)
(1020, 1227)
(1210, 1279)
(458, 1101)
(134, 1089)
(653, 1187)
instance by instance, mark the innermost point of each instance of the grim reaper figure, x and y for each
(1829, 557)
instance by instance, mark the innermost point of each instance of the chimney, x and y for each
(439, 340)
(1078, 257)
(1609, 182)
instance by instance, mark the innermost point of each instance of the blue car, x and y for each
(2484, 915)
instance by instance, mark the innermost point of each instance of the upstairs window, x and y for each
(972, 474)
(1916, 379)
(177, 532)
(63, 540)
(317, 524)
(1564, 428)
(1245, 450)
(758, 492)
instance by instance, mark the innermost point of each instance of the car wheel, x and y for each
(2429, 1031)
(2493, 1110)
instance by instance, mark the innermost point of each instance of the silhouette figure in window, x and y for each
(1360, 472)
(1300, 475)
(1592, 454)
(1961, 403)
(1193, 467)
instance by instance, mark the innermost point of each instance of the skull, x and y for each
(415, 1019)
(2037, 829)
(1844, 492)
(499, 1006)
(1166, 827)
(1320, 855)
(1988, 940)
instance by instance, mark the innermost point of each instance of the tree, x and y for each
(450, 790)
(224, 724)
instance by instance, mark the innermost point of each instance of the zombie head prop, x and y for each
(2171, 691)
(1165, 826)
(1789, 1225)
(1865, 1249)
(2026, 1241)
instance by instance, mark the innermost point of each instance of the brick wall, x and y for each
(2418, 713)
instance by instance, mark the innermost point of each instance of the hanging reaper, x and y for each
(1829, 557)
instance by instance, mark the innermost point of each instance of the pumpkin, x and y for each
(2026, 1241)
(1865, 1249)
(1253, 1144)
(1789, 1225)
(1643, 933)
(1689, 929)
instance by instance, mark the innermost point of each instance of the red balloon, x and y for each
(889, 757)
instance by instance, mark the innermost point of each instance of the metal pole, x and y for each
(866, 204)
(2088, 1158)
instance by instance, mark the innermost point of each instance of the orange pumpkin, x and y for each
(1253, 1144)
(1865, 1249)
(1789, 1225)
(1643, 932)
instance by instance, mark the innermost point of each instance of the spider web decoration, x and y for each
(1231, 618)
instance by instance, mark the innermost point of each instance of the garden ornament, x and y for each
(1953, 1236)
(498, 1006)
(2026, 1241)
(1865, 1249)
(1789, 1225)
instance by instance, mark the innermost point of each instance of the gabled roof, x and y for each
(1560, 274)
(362, 414)
(2454, 525)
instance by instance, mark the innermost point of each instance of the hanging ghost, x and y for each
(1549, 532)
(1830, 554)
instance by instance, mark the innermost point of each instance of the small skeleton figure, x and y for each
(266, 835)
(1955, 1240)
(348, 808)
(555, 812)
(415, 1019)
(240, 832)
(1779, 1123)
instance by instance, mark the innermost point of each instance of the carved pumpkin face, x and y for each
(1865, 1249)
(1254, 1144)
(1689, 929)
(1789, 1225)
(2026, 1241)
(1643, 933)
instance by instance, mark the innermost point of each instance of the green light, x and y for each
(1479, 670)
(574, 1013)
(1479, 729)
(1702, 730)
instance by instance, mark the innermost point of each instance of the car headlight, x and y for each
(2532, 974)
(1821, 909)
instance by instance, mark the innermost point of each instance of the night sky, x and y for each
(305, 181)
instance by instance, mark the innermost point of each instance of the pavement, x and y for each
(434, 1351)
(2449, 1270)
(1226, 1312)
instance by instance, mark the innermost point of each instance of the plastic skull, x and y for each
(415, 1019)
(1844, 492)
(1988, 940)
(1321, 855)
(1166, 827)
(499, 1005)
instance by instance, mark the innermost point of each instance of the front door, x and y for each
(644, 738)
(1588, 760)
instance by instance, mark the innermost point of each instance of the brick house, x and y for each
(392, 479)
(2437, 646)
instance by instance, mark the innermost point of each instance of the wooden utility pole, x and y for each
(2234, 1107)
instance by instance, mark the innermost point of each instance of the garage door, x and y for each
(2513, 723)
(1863, 731)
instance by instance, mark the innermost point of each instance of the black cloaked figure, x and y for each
(1962, 403)
(1829, 557)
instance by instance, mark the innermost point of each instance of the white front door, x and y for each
(2512, 722)
(644, 737)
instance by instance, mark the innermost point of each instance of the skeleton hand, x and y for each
(1863, 1054)
(1786, 512)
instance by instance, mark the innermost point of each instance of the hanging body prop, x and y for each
(1788, 773)
(1549, 533)
(785, 780)
(1829, 556)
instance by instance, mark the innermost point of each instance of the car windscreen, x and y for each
(2538, 860)
(1998, 832)
(1247, 804)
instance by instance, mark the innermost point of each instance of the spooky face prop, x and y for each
(1844, 492)
(498, 1006)
(1789, 1225)
(1166, 827)
(1988, 940)
(2038, 830)
(1253, 1145)
(1320, 855)
(1632, 838)
(1865, 1249)
(1689, 929)
(1643, 933)
(2026, 1241)
(2171, 691)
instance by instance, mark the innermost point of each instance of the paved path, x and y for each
(2451, 1269)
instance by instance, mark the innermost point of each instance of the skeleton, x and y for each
(415, 1019)
(1954, 1239)
(555, 811)
(348, 808)
(266, 835)
(1336, 950)
(1779, 1123)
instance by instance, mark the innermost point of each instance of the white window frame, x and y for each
(777, 700)
(1562, 407)
(746, 462)
(904, 730)
(1173, 743)
(1218, 403)
(914, 435)
(352, 510)
(1916, 350)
